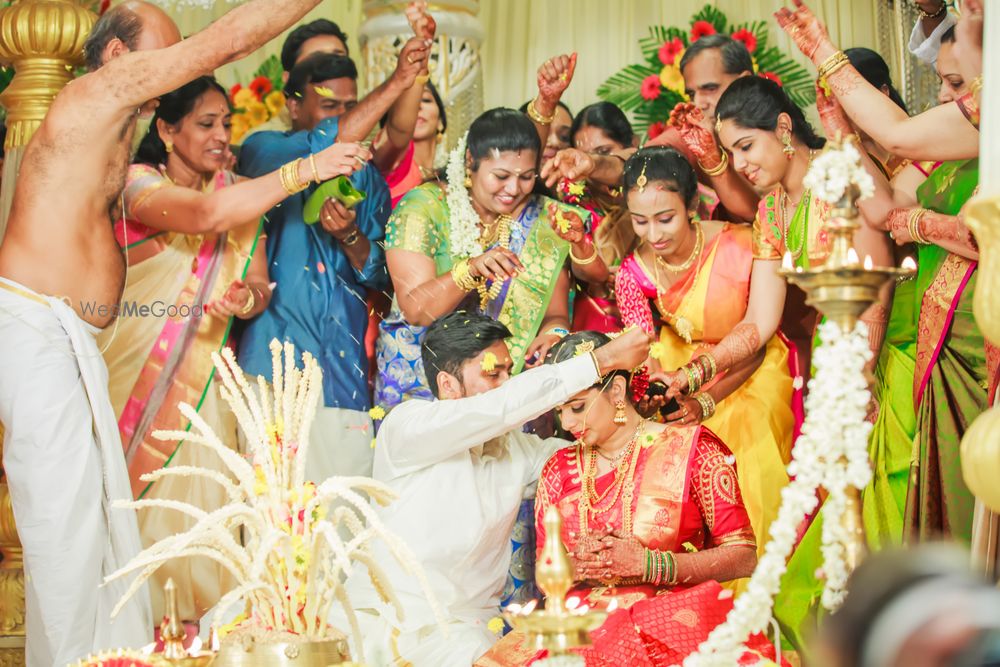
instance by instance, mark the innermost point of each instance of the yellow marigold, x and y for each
(275, 102)
(577, 188)
(657, 350)
(756, 67)
(260, 482)
(489, 362)
(323, 91)
(239, 128)
(495, 625)
(672, 79)
(377, 413)
(244, 98)
(257, 114)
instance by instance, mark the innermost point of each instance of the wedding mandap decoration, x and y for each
(259, 101)
(651, 89)
(293, 559)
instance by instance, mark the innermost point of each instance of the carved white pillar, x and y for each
(455, 67)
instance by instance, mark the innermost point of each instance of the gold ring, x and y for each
(563, 76)
(409, 58)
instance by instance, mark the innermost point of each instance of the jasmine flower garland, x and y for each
(463, 223)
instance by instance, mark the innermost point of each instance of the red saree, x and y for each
(684, 495)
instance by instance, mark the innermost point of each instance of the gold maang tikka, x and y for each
(640, 183)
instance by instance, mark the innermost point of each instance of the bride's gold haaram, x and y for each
(501, 236)
(623, 487)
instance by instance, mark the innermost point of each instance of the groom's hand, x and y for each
(625, 352)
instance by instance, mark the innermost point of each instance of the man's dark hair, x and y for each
(735, 57)
(319, 67)
(121, 23)
(293, 43)
(454, 339)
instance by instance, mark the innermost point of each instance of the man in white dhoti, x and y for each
(62, 276)
(461, 466)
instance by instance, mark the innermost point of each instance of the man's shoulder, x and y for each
(405, 410)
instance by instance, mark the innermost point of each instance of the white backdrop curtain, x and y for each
(520, 34)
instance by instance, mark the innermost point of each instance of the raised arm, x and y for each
(554, 77)
(189, 211)
(136, 77)
(941, 133)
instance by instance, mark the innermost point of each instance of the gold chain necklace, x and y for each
(591, 502)
(699, 245)
(500, 235)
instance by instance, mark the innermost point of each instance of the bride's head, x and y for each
(501, 160)
(590, 414)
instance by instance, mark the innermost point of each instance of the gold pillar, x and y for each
(43, 40)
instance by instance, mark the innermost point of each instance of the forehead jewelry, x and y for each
(640, 182)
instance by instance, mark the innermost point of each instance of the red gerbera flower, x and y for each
(701, 29)
(235, 89)
(261, 86)
(650, 87)
(656, 129)
(670, 50)
(772, 76)
(748, 38)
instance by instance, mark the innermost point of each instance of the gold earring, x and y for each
(169, 145)
(788, 150)
(620, 412)
(468, 179)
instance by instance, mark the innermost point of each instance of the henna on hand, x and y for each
(741, 343)
(877, 319)
(940, 227)
(844, 81)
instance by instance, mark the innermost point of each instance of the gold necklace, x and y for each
(500, 235)
(591, 502)
(699, 244)
(680, 324)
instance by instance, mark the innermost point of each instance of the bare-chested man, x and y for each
(61, 276)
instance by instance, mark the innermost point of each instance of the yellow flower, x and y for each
(323, 91)
(562, 222)
(244, 98)
(756, 67)
(275, 102)
(672, 79)
(377, 413)
(489, 362)
(260, 482)
(657, 350)
(257, 114)
(239, 128)
(577, 188)
(229, 627)
(373, 443)
(679, 57)
(495, 625)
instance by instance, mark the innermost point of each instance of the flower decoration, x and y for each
(771, 76)
(835, 170)
(489, 362)
(640, 383)
(299, 540)
(495, 625)
(377, 413)
(323, 91)
(670, 51)
(463, 219)
(748, 38)
(633, 88)
(656, 129)
(259, 101)
(701, 29)
(651, 87)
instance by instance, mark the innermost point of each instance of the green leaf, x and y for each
(271, 68)
(658, 34)
(624, 87)
(759, 30)
(714, 16)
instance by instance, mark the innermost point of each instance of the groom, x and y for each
(460, 466)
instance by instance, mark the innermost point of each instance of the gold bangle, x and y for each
(250, 303)
(462, 277)
(351, 239)
(582, 262)
(422, 79)
(831, 64)
(719, 168)
(312, 165)
(707, 404)
(290, 177)
(597, 365)
(913, 226)
(534, 114)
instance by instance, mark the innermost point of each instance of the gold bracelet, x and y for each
(913, 226)
(351, 239)
(707, 404)
(422, 79)
(597, 364)
(831, 65)
(312, 165)
(534, 114)
(462, 277)
(719, 168)
(582, 262)
(712, 364)
(290, 177)
(250, 303)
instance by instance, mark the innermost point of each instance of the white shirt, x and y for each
(926, 47)
(460, 469)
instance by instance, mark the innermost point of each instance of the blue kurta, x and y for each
(319, 303)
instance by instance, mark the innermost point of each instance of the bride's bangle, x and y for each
(582, 261)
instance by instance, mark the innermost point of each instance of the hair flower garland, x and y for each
(463, 221)
(653, 87)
